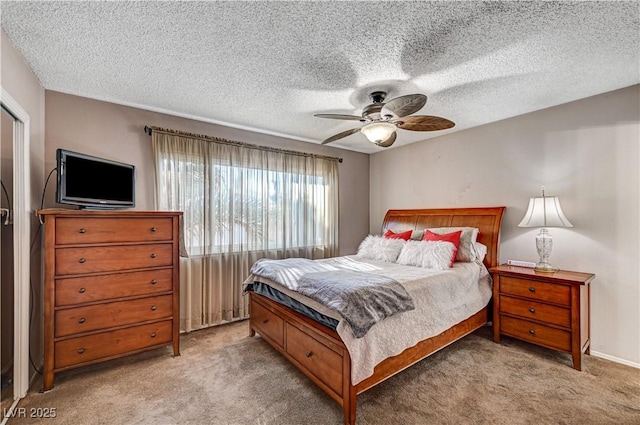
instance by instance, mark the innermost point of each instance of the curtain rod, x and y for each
(149, 130)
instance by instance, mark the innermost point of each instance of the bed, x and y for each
(318, 350)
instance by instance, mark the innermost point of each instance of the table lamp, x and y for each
(544, 212)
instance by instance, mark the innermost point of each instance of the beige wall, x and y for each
(586, 152)
(116, 132)
(23, 86)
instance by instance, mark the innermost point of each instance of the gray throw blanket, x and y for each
(361, 298)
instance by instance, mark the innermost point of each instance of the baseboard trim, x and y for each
(615, 359)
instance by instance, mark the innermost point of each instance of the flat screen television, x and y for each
(92, 182)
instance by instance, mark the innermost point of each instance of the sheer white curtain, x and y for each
(240, 203)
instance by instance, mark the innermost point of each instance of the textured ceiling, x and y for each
(269, 66)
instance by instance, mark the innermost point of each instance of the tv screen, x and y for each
(93, 182)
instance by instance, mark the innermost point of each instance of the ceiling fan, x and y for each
(382, 119)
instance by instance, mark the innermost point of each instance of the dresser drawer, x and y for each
(541, 291)
(536, 333)
(267, 323)
(317, 358)
(534, 310)
(88, 230)
(110, 344)
(107, 315)
(78, 290)
(112, 258)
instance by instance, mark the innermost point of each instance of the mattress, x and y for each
(281, 298)
(442, 299)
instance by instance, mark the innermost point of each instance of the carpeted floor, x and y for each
(224, 377)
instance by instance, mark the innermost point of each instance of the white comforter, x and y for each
(442, 299)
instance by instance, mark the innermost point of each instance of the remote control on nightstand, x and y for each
(521, 263)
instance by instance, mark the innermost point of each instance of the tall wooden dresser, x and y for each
(111, 281)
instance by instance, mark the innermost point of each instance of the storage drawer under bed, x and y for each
(316, 357)
(267, 323)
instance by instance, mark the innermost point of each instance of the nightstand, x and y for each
(547, 309)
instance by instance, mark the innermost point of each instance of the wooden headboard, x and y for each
(487, 220)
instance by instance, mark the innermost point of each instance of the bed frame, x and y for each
(319, 352)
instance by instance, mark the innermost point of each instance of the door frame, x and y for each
(22, 237)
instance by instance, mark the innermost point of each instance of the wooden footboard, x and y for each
(321, 355)
(313, 348)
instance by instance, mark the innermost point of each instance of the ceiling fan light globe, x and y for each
(378, 131)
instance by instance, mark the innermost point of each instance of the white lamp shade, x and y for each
(545, 212)
(378, 131)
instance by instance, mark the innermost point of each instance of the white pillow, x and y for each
(435, 255)
(378, 248)
(481, 251)
(417, 235)
(466, 252)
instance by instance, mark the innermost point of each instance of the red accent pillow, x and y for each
(453, 237)
(389, 234)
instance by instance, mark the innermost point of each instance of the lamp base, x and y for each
(545, 268)
(544, 243)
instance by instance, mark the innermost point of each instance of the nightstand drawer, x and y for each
(534, 310)
(536, 333)
(532, 289)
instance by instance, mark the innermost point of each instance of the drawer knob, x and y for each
(153, 281)
(532, 332)
(82, 320)
(532, 310)
(153, 335)
(80, 350)
(532, 289)
(82, 290)
(82, 260)
(82, 231)
(153, 255)
(154, 308)
(153, 229)
(265, 321)
(308, 354)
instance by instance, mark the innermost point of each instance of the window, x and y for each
(241, 203)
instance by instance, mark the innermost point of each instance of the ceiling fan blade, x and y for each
(339, 117)
(340, 135)
(404, 105)
(424, 123)
(388, 142)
